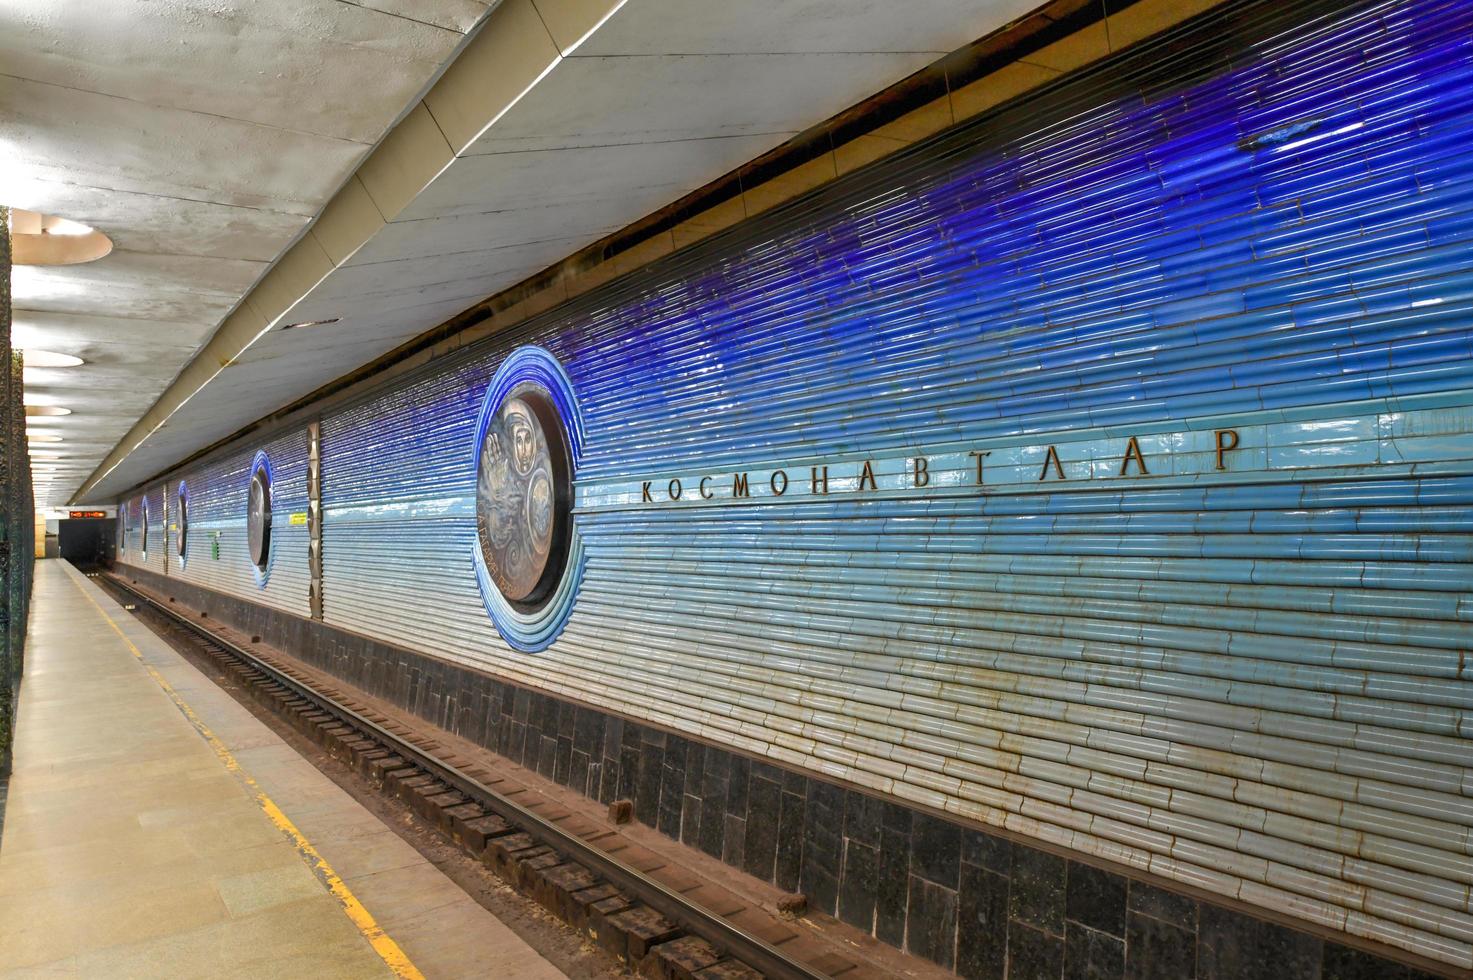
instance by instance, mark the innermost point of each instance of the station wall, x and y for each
(1182, 582)
(217, 556)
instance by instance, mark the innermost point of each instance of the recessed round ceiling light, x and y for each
(47, 410)
(41, 437)
(43, 239)
(31, 357)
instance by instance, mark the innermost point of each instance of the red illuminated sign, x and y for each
(82, 514)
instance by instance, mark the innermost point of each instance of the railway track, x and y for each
(651, 926)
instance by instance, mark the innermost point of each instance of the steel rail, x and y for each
(751, 950)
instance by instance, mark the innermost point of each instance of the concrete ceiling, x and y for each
(204, 139)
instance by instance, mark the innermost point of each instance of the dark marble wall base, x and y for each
(977, 903)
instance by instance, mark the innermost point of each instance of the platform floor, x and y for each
(155, 828)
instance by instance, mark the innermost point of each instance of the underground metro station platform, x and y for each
(709, 491)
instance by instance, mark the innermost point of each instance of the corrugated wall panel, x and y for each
(157, 559)
(218, 495)
(1250, 676)
(139, 512)
(171, 494)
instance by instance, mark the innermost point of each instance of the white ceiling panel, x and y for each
(540, 179)
(931, 27)
(587, 102)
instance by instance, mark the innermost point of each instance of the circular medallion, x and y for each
(528, 555)
(522, 496)
(181, 536)
(258, 516)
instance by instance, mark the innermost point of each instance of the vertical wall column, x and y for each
(9, 669)
(22, 517)
(314, 516)
(17, 513)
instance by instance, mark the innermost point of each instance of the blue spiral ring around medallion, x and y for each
(261, 462)
(181, 521)
(535, 630)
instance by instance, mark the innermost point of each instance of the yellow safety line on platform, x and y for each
(387, 949)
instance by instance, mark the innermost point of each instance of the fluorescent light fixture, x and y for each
(32, 357)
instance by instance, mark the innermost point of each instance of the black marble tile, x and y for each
(764, 809)
(984, 850)
(613, 736)
(547, 757)
(862, 818)
(672, 809)
(650, 764)
(821, 854)
(930, 927)
(609, 789)
(532, 747)
(1344, 963)
(789, 870)
(672, 786)
(1034, 955)
(588, 734)
(982, 924)
(676, 749)
(828, 800)
(713, 824)
(767, 771)
(1157, 950)
(522, 745)
(715, 773)
(1037, 894)
(1178, 910)
(857, 884)
(632, 736)
(733, 837)
(628, 774)
(695, 767)
(893, 886)
(563, 764)
(1092, 955)
(935, 850)
(1096, 898)
(595, 790)
(893, 816)
(736, 786)
(577, 776)
(690, 820)
(1233, 946)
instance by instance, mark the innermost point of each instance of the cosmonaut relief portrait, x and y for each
(516, 500)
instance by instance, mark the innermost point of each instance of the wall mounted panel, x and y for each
(1126, 452)
(218, 553)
